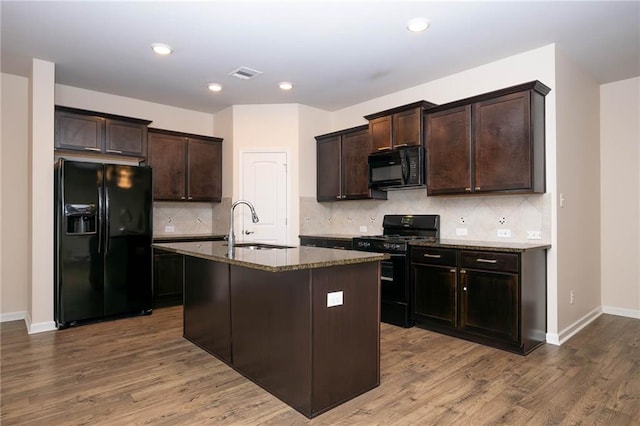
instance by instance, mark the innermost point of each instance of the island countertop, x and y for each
(274, 260)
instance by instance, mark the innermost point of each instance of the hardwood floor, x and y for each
(141, 371)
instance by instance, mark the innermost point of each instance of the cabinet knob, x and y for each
(477, 188)
(183, 198)
(191, 198)
(463, 271)
(452, 270)
(464, 288)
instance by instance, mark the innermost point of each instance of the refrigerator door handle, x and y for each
(100, 220)
(107, 218)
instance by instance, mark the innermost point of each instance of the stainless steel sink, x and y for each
(260, 246)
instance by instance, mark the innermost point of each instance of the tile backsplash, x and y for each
(481, 216)
(190, 218)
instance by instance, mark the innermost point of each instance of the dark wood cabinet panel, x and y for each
(167, 157)
(488, 143)
(489, 304)
(205, 171)
(167, 278)
(207, 306)
(186, 167)
(397, 127)
(407, 128)
(342, 168)
(125, 138)
(435, 293)
(491, 297)
(78, 131)
(448, 144)
(380, 129)
(354, 164)
(329, 168)
(98, 133)
(503, 143)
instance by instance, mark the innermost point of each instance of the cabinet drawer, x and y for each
(494, 261)
(433, 256)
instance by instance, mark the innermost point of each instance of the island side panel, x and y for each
(346, 338)
(271, 332)
(207, 316)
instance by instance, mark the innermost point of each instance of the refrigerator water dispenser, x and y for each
(81, 218)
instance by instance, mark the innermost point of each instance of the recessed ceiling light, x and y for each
(215, 87)
(417, 25)
(161, 49)
(285, 85)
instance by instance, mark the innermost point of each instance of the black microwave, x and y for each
(398, 168)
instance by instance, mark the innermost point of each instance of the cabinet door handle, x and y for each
(400, 145)
(92, 149)
(338, 197)
(468, 189)
(452, 270)
(477, 188)
(191, 198)
(386, 279)
(384, 148)
(183, 198)
(463, 271)
(114, 151)
(464, 288)
(433, 256)
(487, 260)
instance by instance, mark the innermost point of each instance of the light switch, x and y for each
(334, 299)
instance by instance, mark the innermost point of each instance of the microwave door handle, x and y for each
(405, 169)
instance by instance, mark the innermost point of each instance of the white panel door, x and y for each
(264, 184)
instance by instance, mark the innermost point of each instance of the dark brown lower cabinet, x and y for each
(167, 278)
(490, 297)
(276, 329)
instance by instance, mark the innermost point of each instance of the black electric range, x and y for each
(398, 232)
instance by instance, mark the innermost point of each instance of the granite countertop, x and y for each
(187, 237)
(277, 260)
(483, 245)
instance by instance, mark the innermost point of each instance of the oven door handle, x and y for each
(386, 279)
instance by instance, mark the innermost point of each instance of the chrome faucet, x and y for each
(231, 237)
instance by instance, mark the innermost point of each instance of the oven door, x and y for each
(393, 279)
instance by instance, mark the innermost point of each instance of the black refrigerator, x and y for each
(103, 260)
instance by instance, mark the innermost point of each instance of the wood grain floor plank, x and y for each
(140, 371)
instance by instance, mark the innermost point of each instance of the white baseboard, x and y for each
(38, 327)
(13, 316)
(621, 312)
(568, 332)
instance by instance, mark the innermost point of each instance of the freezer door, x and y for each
(128, 261)
(78, 287)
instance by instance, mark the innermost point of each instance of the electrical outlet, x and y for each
(461, 231)
(334, 298)
(534, 235)
(169, 229)
(461, 219)
(363, 228)
(571, 297)
(504, 233)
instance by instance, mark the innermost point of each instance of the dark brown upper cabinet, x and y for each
(185, 167)
(342, 169)
(397, 127)
(98, 133)
(491, 143)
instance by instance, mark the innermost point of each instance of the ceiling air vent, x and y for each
(245, 73)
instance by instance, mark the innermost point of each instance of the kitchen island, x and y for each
(301, 322)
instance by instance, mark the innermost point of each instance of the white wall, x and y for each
(620, 196)
(14, 193)
(578, 183)
(274, 128)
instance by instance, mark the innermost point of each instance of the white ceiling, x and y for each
(336, 53)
